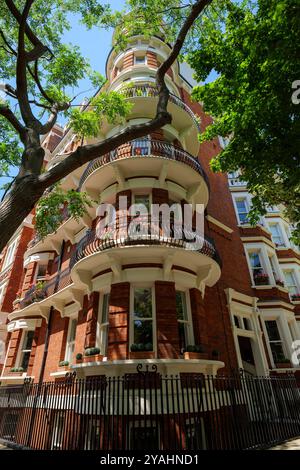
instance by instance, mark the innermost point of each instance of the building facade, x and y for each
(90, 290)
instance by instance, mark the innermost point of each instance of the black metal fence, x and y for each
(149, 411)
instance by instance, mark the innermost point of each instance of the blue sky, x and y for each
(95, 44)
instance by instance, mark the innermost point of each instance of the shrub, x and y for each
(79, 356)
(91, 351)
(63, 363)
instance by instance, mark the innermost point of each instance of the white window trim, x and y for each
(101, 325)
(265, 252)
(142, 285)
(247, 198)
(10, 253)
(191, 337)
(20, 350)
(72, 317)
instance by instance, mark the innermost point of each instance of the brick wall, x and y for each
(166, 320)
(118, 333)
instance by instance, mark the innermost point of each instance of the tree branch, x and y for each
(21, 67)
(39, 48)
(35, 76)
(86, 153)
(9, 115)
(12, 51)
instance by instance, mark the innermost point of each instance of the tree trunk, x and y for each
(17, 205)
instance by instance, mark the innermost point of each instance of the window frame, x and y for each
(102, 327)
(189, 321)
(10, 254)
(247, 208)
(68, 353)
(144, 285)
(23, 351)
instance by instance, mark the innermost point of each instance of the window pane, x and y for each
(105, 306)
(142, 438)
(28, 340)
(254, 260)
(143, 303)
(181, 306)
(272, 330)
(277, 351)
(143, 331)
(73, 330)
(183, 335)
(142, 199)
(25, 360)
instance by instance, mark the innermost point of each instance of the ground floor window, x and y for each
(103, 324)
(26, 349)
(71, 340)
(142, 317)
(184, 320)
(275, 341)
(57, 433)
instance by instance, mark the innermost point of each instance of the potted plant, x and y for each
(92, 355)
(79, 358)
(17, 371)
(279, 282)
(261, 279)
(282, 362)
(65, 365)
(195, 351)
(295, 297)
(141, 351)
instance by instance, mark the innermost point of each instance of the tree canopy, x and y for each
(254, 48)
(37, 71)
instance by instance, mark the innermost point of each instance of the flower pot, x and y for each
(141, 355)
(79, 361)
(16, 374)
(195, 355)
(94, 358)
(64, 367)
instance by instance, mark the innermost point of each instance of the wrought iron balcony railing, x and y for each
(120, 236)
(36, 294)
(141, 148)
(146, 90)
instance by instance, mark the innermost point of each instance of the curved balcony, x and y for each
(146, 157)
(159, 243)
(37, 292)
(140, 91)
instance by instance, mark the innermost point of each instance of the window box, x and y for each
(295, 297)
(283, 365)
(141, 355)
(261, 280)
(195, 355)
(92, 355)
(141, 351)
(64, 365)
(17, 371)
(195, 351)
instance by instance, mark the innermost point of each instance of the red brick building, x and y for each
(151, 300)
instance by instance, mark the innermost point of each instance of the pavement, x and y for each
(293, 444)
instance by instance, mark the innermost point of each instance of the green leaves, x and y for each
(111, 106)
(254, 47)
(57, 206)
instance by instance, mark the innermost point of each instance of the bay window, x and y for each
(184, 322)
(142, 317)
(71, 340)
(276, 234)
(26, 347)
(275, 341)
(290, 282)
(242, 210)
(103, 323)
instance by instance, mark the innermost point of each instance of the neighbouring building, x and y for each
(232, 304)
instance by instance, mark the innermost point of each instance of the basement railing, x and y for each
(149, 412)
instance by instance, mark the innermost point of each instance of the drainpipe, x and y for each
(42, 371)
